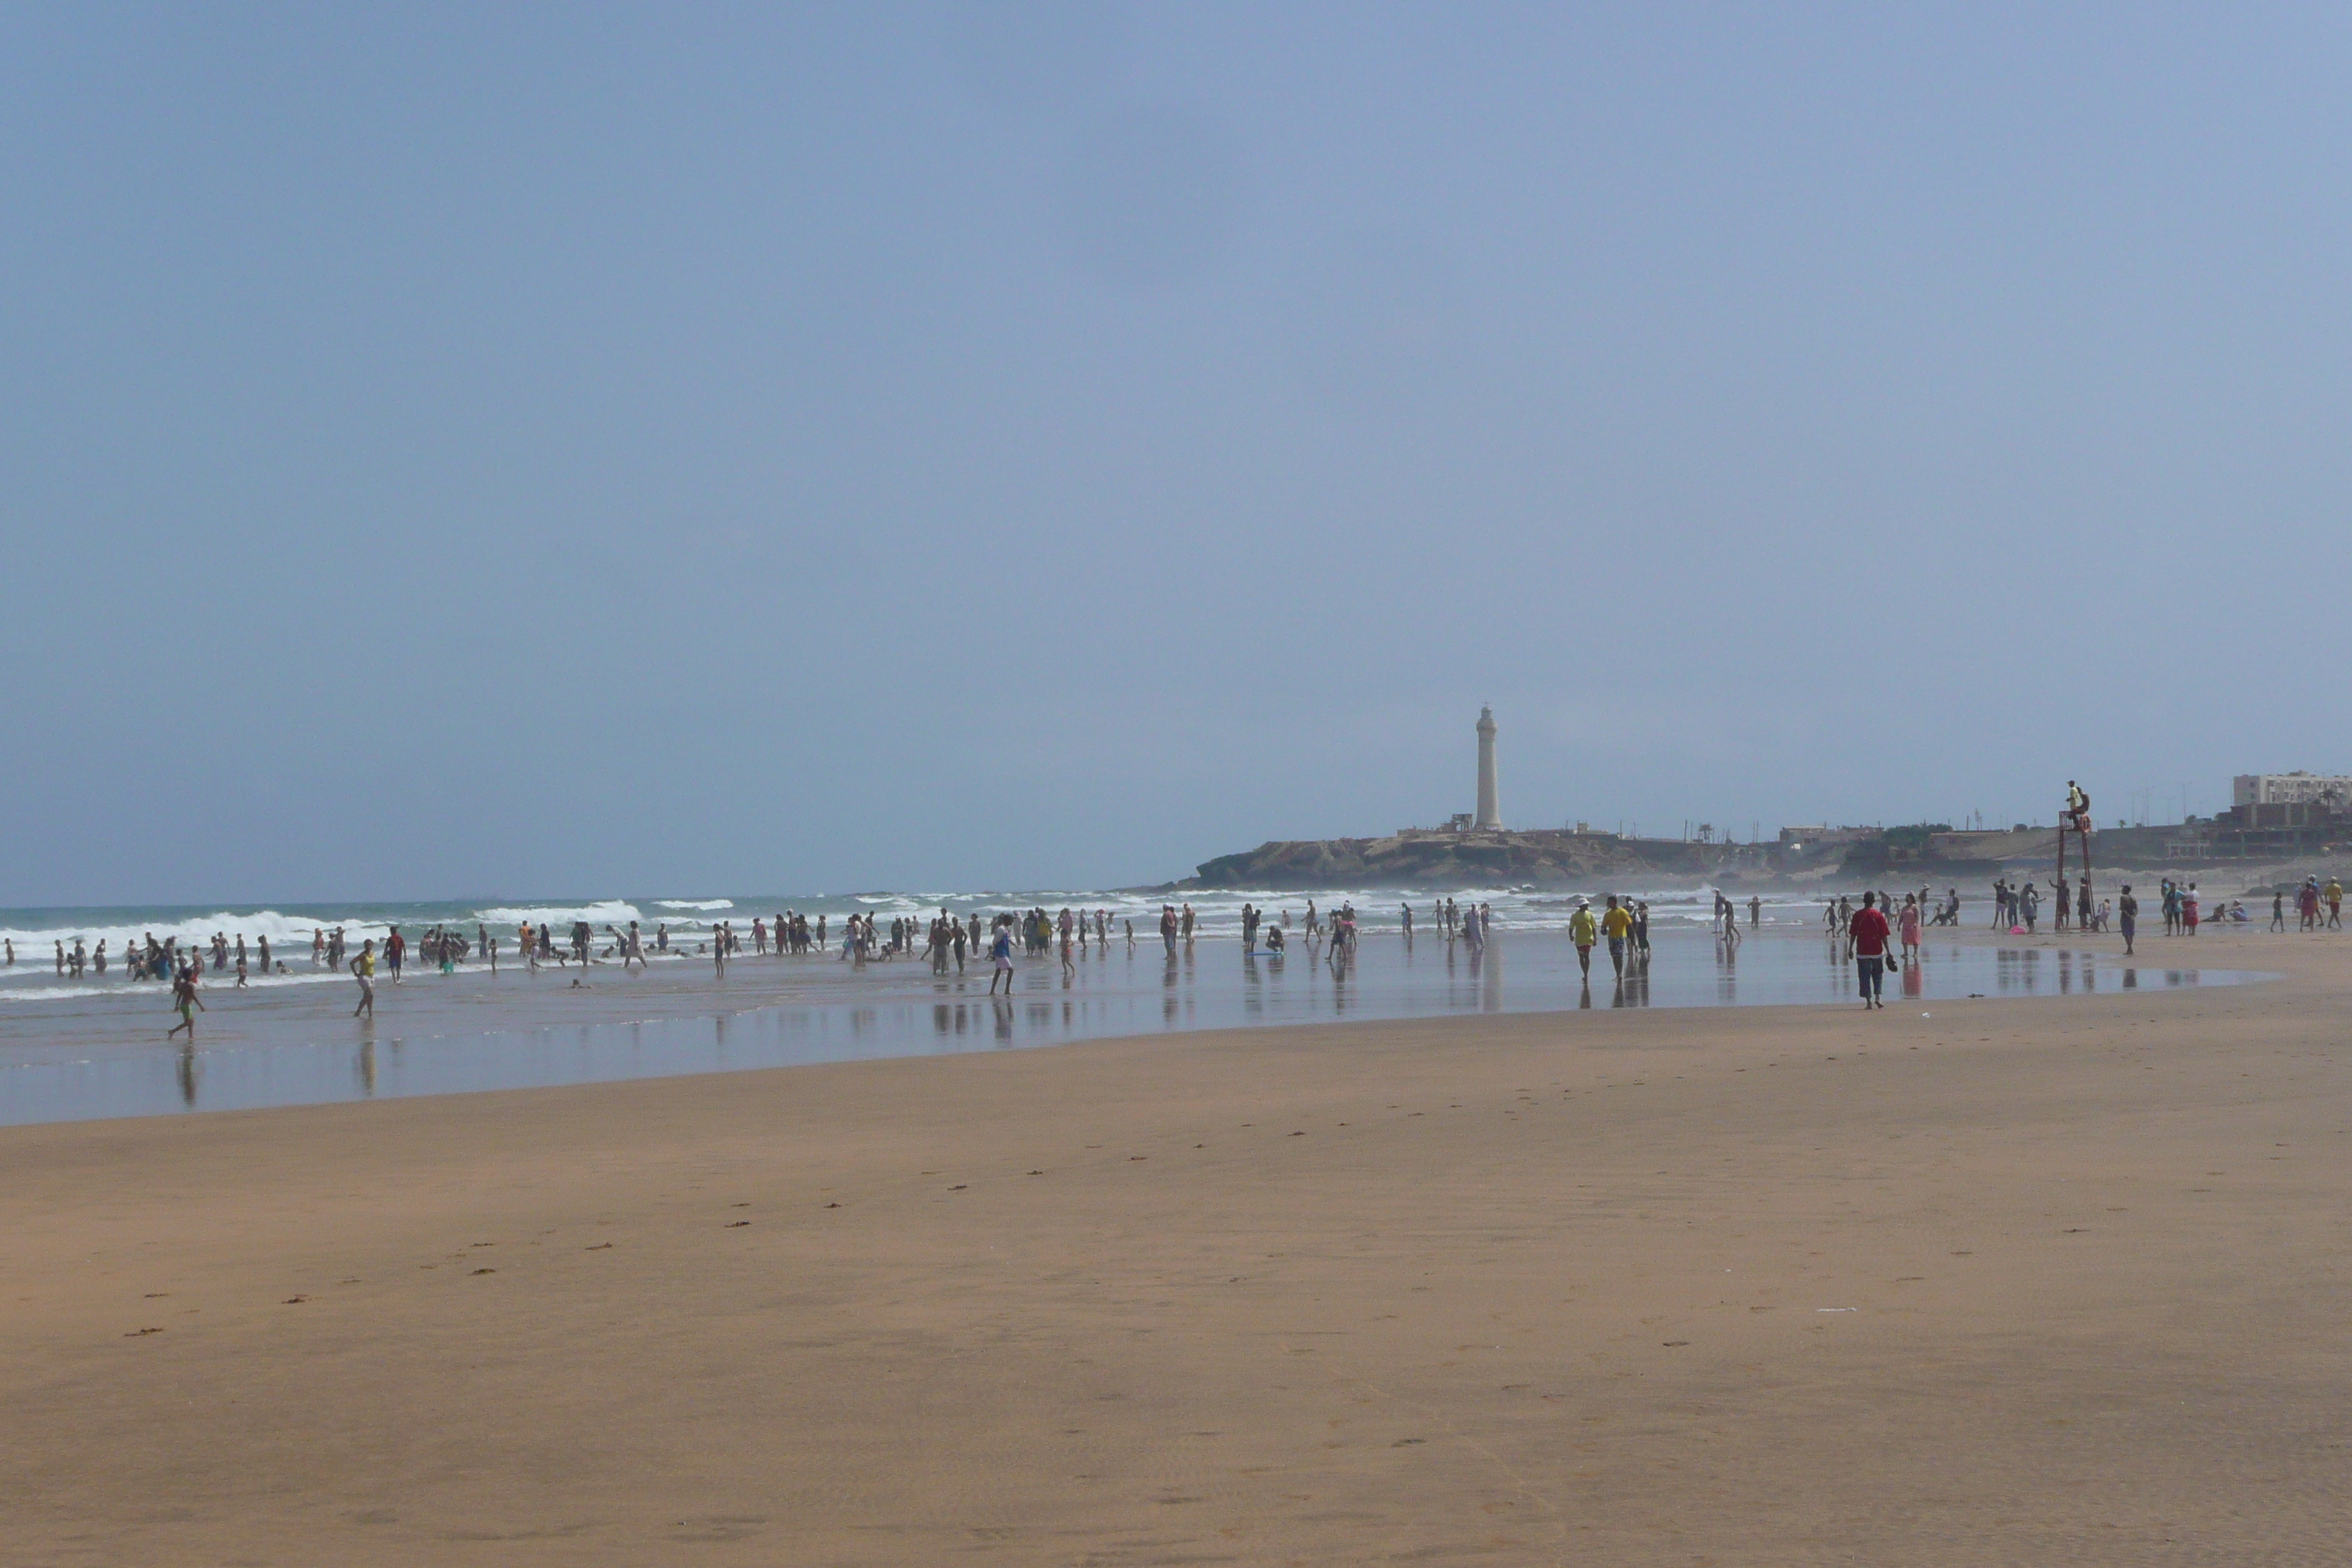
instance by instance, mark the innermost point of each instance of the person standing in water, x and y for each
(2127, 914)
(1000, 956)
(364, 970)
(186, 1000)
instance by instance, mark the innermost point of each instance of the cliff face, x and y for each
(1472, 859)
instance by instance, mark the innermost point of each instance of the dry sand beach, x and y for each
(2056, 1281)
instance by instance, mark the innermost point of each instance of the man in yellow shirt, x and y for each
(364, 970)
(1581, 929)
(2334, 894)
(1614, 925)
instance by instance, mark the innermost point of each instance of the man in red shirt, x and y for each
(1869, 931)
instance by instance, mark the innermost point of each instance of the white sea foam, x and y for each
(610, 911)
(286, 933)
(115, 983)
(694, 903)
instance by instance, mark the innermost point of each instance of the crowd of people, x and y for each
(948, 943)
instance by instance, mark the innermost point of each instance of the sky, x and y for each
(661, 450)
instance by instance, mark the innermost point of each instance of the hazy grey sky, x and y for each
(466, 449)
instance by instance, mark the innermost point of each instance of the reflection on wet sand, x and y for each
(820, 1013)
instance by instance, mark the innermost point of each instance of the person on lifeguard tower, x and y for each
(2078, 807)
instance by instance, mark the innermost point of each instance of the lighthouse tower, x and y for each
(1490, 810)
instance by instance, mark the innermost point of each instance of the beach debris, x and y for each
(485, 1271)
(293, 1300)
(1837, 1309)
(136, 1333)
(600, 1247)
(736, 1224)
(1674, 1344)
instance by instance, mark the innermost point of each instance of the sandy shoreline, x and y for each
(1539, 1288)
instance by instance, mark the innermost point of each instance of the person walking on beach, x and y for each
(1613, 927)
(2188, 910)
(1755, 912)
(2127, 916)
(1582, 929)
(1868, 933)
(395, 948)
(1168, 928)
(186, 1002)
(1908, 927)
(364, 970)
(2334, 894)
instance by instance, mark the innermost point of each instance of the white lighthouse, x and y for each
(1490, 809)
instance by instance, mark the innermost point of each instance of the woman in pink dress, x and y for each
(1909, 927)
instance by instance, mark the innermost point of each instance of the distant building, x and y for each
(1490, 808)
(2332, 790)
(1813, 837)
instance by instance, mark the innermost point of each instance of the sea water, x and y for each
(96, 1048)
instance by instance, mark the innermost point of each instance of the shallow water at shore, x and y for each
(102, 1054)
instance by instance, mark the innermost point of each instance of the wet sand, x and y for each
(2030, 1280)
